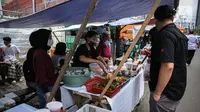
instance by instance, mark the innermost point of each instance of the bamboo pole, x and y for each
(74, 45)
(148, 18)
(56, 36)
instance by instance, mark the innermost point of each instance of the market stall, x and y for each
(135, 83)
(124, 101)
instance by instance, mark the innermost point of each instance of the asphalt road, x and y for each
(191, 100)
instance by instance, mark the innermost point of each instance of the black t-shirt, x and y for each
(85, 51)
(170, 45)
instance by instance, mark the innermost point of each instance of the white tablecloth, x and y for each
(124, 101)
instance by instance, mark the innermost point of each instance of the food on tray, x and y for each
(120, 79)
(115, 83)
(103, 84)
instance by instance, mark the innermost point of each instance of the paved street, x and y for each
(191, 99)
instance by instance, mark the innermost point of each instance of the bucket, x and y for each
(54, 106)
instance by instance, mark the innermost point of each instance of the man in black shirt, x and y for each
(168, 63)
(86, 53)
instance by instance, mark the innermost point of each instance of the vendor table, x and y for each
(124, 101)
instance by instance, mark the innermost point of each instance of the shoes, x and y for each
(19, 80)
(13, 82)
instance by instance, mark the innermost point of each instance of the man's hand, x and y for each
(156, 96)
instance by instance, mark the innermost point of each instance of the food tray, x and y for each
(93, 89)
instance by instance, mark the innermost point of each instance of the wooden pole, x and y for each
(148, 18)
(56, 36)
(74, 45)
(34, 6)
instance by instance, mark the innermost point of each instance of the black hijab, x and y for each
(38, 39)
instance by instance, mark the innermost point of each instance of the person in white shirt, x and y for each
(192, 46)
(11, 55)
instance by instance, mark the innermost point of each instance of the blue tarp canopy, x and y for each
(72, 12)
(125, 21)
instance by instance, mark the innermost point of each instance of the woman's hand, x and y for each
(101, 65)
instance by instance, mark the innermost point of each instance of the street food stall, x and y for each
(115, 86)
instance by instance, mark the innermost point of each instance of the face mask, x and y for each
(107, 42)
(92, 43)
(8, 45)
(50, 42)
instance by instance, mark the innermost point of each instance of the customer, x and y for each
(104, 47)
(168, 63)
(28, 69)
(86, 53)
(11, 56)
(192, 46)
(59, 57)
(43, 67)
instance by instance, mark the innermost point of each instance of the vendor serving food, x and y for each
(86, 53)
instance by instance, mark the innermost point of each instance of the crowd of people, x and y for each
(41, 70)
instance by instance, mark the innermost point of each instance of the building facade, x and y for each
(24, 7)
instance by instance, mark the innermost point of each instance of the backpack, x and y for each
(1, 55)
(28, 66)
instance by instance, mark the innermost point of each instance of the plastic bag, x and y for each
(96, 68)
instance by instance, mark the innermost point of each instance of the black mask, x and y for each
(92, 44)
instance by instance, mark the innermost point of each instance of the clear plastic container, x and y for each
(91, 108)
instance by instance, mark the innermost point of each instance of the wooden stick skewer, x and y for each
(74, 45)
(148, 18)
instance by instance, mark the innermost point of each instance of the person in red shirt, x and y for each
(104, 47)
(45, 78)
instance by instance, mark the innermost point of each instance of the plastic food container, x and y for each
(54, 106)
(91, 108)
(43, 110)
(76, 80)
(93, 89)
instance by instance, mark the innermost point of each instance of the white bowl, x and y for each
(54, 106)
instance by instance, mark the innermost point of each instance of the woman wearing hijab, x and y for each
(43, 68)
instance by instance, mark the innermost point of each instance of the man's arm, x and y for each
(165, 74)
(89, 60)
(17, 52)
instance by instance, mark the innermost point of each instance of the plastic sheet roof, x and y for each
(72, 12)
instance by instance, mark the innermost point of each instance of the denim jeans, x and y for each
(42, 96)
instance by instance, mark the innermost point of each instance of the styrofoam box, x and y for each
(91, 108)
